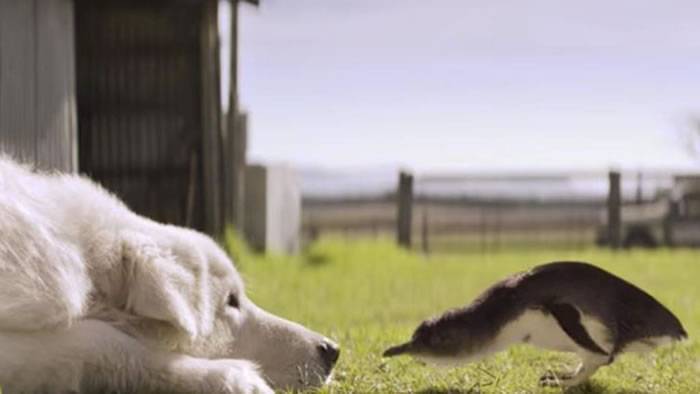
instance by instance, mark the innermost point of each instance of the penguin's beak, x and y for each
(398, 350)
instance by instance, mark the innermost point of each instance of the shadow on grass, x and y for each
(597, 388)
(588, 388)
(316, 259)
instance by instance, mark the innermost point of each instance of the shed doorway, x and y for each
(138, 66)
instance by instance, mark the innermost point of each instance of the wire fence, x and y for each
(459, 225)
(451, 215)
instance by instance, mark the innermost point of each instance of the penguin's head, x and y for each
(437, 339)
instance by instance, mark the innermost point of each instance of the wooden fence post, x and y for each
(614, 210)
(425, 230)
(640, 190)
(405, 205)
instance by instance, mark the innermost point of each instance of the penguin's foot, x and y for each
(579, 375)
(559, 379)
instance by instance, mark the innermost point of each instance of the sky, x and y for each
(471, 85)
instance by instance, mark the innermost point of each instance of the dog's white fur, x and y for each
(94, 297)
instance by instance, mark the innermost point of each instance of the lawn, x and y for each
(368, 295)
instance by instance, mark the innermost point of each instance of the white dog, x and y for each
(96, 298)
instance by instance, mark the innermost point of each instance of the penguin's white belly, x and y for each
(542, 330)
(539, 329)
(647, 345)
(535, 328)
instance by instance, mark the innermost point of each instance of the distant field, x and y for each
(368, 295)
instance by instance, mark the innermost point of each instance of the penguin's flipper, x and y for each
(569, 319)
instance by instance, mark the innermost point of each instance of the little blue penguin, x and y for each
(563, 306)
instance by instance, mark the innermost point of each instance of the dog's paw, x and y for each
(235, 377)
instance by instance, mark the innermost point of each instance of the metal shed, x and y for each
(128, 92)
(37, 82)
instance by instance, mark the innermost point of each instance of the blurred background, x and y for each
(514, 124)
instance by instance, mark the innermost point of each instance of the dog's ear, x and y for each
(157, 286)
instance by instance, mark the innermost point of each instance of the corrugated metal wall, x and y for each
(139, 104)
(37, 85)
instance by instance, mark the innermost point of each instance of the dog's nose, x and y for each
(329, 352)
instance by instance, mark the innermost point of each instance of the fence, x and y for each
(459, 224)
(442, 218)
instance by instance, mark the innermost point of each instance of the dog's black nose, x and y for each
(329, 352)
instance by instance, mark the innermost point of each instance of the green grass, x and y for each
(369, 295)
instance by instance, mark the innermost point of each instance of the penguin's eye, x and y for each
(232, 301)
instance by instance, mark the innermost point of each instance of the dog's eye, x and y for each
(233, 301)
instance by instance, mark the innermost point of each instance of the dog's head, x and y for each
(192, 300)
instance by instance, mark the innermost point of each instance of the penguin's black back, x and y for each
(627, 311)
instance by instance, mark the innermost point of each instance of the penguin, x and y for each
(563, 306)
